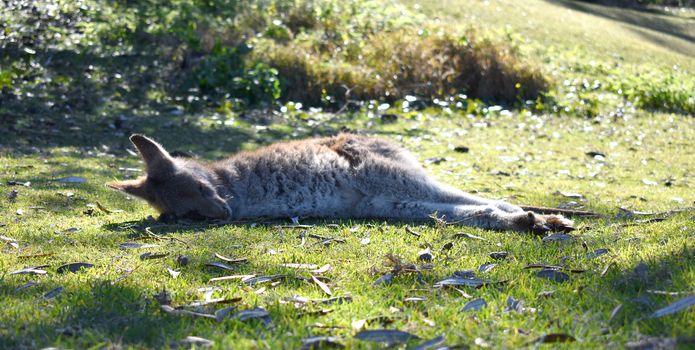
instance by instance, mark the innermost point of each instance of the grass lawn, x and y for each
(618, 269)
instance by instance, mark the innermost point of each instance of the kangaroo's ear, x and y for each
(136, 187)
(157, 159)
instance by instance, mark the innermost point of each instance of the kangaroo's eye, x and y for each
(201, 189)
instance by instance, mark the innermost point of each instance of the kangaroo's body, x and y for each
(345, 176)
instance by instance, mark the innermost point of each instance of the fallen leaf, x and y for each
(11, 241)
(674, 307)
(649, 182)
(173, 273)
(596, 253)
(73, 180)
(133, 245)
(425, 255)
(262, 279)
(322, 342)
(542, 266)
(232, 277)
(486, 267)
(385, 279)
(546, 294)
(170, 310)
(339, 300)
(37, 270)
(474, 305)
(468, 235)
(499, 255)
(434, 160)
(430, 343)
(221, 314)
(299, 266)
(18, 183)
(53, 293)
(74, 267)
(615, 312)
(219, 265)
(461, 149)
(605, 269)
(456, 281)
(106, 210)
(358, 324)
(517, 305)
(389, 336)
(322, 269)
(150, 256)
(196, 304)
(558, 237)
(257, 312)
(365, 241)
(569, 195)
(231, 261)
(593, 154)
(196, 341)
(25, 286)
(554, 275)
(322, 285)
(663, 292)
(410, 231)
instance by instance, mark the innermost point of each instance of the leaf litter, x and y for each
(322, 342)
(152, 256)
(299, 266)
(135, 245)
(431, 343)
(321, 285)
(220, 265)
(474, 305)
(388, 336)
(32, 270)
(681, 304)
(53, 293)
(74, 267)
(196, 341)
(553, 275)
(11, 241)
(231, 261)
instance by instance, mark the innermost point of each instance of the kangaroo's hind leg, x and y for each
(397, 191)
(482, 216)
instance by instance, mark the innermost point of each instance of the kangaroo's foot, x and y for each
(540, 224)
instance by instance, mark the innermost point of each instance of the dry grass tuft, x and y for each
(392, 64)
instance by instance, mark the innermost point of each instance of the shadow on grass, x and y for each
(97, 311)
(642, 20)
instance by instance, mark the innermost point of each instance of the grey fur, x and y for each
(344, 176)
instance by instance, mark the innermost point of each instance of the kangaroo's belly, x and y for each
(316, 186)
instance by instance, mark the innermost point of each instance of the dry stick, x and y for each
(160, 237)
(568, 212)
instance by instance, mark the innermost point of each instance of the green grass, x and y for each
(109, 310)
(77, 125)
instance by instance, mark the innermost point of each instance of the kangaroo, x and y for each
(340, 177)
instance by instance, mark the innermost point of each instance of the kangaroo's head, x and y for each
(174, 186)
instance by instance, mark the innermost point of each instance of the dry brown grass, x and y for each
(390, 65)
